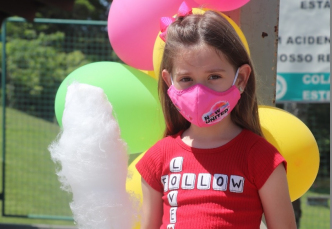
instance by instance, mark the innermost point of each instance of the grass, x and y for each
(317, 217)
(314, 217)
(32, 187)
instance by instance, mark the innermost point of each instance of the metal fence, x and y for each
(313, 208)
(34, 65)
(35, 59)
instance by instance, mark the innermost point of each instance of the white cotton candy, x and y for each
(93, 161)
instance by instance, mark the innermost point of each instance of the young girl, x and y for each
(213, 169)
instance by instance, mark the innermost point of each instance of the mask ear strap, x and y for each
(235, 78)
(171, 79)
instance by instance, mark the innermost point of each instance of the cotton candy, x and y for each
(93, 161)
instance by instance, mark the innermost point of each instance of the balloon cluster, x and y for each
(134, 25)
(131, 88)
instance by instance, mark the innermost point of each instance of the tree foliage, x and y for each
(35, 69)
(83, 9)
(40, 56)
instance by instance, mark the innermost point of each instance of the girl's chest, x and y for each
(219, 175)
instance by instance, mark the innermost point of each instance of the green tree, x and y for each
(35, 69)
(40, 56)
(83, 9)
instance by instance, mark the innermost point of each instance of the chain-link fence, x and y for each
(38, 57)
(312, 210)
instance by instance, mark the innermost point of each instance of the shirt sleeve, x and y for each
(150, 167)
(264, 158)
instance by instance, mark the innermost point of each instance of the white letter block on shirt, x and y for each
(220, 182)
(172, 198)
(236, 184)
(174, 181)
(176, 164)
(172, 215)
(204, 180)
(170, 226)
(188, 181)
(164, 181)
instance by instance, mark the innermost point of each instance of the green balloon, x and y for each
(133, 95)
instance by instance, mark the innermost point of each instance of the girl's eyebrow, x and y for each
(215, 70)
(182, 72)
(185, 72)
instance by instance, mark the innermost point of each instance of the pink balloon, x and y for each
(222, 5)
(133, 26)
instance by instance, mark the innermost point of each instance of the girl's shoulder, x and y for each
(262, 159)
(165, 142)
(253, 139)
(151, 164)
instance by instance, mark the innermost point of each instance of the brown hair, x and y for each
(213, 29)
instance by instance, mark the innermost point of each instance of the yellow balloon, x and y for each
(133, 183)
(159, 44)
(297, 145)
(158, 50)
(150, 73)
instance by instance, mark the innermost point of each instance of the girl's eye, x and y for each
(214, 77)
(185, 79)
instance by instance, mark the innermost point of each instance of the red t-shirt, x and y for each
(210, 188)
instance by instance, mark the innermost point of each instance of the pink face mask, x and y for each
(203, 106)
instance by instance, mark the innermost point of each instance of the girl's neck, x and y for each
(211, 137)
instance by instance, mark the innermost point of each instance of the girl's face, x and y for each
(203, 65)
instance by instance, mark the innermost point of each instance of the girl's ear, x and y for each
(166, 77)
(243, 76)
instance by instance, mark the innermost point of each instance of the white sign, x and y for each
(304, 51)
